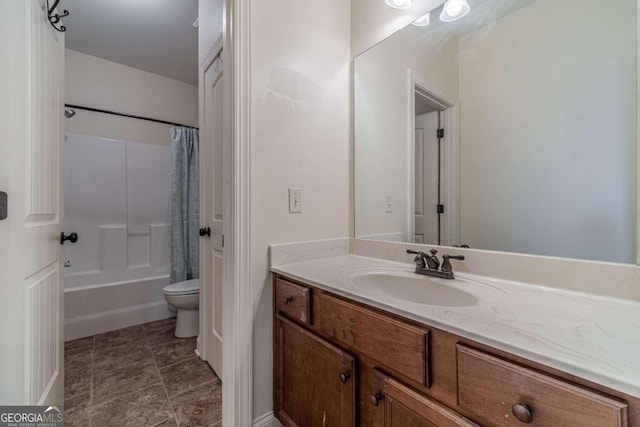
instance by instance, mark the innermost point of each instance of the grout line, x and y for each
(126, 394)
(186, 359)
(193, 388)
(164, 421)
(91, 406)
(164, 386)
(93, 352)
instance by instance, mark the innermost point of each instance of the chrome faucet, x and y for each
(429, 264)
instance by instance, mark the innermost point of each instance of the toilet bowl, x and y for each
(185, 297)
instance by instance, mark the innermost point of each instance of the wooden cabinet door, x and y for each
(314, 382)
(399, 406)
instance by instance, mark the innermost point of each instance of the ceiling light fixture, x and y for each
(454, 10)
(398, 4)
(423, 21)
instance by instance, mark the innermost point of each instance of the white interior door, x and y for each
(31, 281)
(426, 180)
(211, 186)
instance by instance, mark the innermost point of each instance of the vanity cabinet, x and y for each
(338, 362)
(314, 381)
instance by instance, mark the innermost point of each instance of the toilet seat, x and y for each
(188, 287)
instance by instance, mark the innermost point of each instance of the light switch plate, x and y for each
(388, 203)
(295, 200)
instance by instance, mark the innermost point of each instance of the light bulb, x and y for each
(423, 21)
(454, 10)
(398, 4)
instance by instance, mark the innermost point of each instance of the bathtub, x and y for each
(95, 309)
(117, 198)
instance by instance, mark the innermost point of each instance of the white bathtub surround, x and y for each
(91, 310)
(591, 336)
(117, 198)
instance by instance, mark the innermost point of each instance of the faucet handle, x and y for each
(446, 264)
(420, 258)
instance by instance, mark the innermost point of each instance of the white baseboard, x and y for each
(267, 420)
(105, 321)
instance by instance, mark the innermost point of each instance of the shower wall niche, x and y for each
(117, 198)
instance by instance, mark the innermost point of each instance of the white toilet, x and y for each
(185, 297)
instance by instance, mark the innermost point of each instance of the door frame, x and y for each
(237, 292)
(450, 161)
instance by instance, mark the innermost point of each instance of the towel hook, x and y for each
(54, 17)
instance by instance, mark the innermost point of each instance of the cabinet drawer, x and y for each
(293, 301)
(500, 393)
(399, 346)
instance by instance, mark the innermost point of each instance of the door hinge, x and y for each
(440, 133)
(4, 205)
(440, 209)
(223, 240)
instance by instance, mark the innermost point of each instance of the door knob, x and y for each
(73, 238)
(206, 231)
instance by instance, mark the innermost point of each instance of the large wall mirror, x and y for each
(512, 129)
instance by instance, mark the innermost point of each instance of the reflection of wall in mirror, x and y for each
(536, 176)
(381, 124)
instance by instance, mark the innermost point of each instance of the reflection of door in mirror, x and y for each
(427, 170)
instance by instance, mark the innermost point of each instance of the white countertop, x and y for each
(593, 337)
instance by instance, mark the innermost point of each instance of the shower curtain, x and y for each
(185, 215)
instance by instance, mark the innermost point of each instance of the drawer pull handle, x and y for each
(288, 300)
(522, 412)
(375, 399)
(344, 377)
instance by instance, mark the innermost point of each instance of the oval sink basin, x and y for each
(418, 289)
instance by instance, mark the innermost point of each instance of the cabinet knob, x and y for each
(344, 377)
(522, 412)
(288, 300)
(375, 399)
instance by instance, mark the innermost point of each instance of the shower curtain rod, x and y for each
(113, 113)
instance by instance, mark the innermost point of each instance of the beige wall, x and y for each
(299, 138)
(96, 82)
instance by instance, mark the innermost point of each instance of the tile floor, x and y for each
(139, 376)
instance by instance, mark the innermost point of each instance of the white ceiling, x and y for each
(152, 35)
